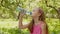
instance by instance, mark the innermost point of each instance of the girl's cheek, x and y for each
(34, 14)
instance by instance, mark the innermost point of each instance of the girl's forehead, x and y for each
(36, 9)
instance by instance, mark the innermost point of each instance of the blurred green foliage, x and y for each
(8, 7)
(8, 12)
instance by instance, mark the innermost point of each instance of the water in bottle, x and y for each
(25, 11)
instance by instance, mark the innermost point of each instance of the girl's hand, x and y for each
(22, 13)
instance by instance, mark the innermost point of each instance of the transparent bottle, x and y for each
(23, 10)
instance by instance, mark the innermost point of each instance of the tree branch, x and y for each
(57, 10)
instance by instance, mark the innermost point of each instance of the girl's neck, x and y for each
(36, 21)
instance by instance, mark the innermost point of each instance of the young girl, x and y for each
(37, 25)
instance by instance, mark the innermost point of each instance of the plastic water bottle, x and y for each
(28, 13)
(25, 11)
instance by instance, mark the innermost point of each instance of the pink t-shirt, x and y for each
(37, 29)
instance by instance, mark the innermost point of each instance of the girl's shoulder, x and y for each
(42, 23)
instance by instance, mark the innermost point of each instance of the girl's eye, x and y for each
(33, 10)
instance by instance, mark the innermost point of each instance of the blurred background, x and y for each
(9, 15)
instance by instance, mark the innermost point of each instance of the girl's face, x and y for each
(35, 12)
